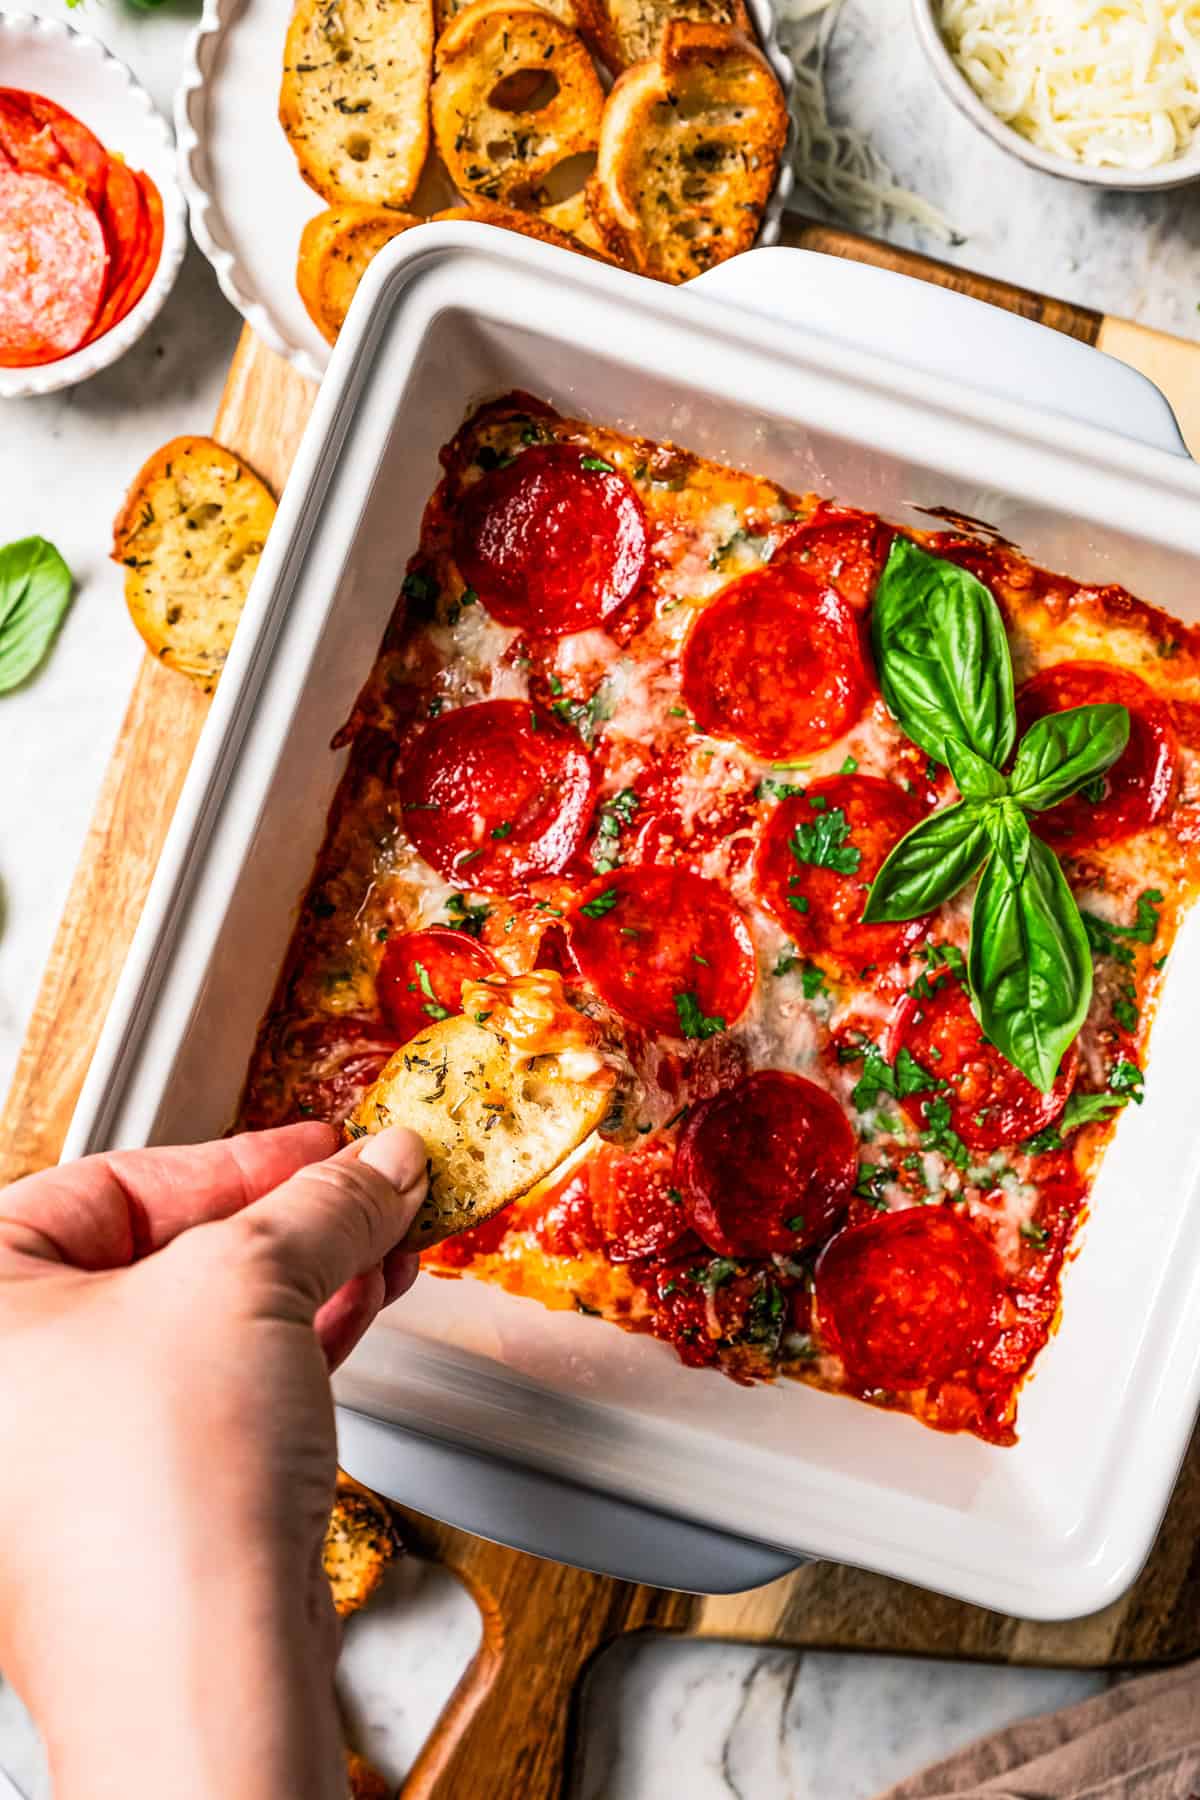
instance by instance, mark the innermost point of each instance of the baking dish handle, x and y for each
(940, 332)
(548, 1517)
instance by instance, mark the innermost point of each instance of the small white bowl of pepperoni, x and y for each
(92, 222)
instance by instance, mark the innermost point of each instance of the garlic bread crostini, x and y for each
(515, 94)
(189, 536)
(354, 101)
(689, 151)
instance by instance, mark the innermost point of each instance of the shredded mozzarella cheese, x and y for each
(1112, 83)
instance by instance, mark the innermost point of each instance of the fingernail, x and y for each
(398, 1154)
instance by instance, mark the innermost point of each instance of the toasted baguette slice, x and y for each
(541, 225)
(445, 10)
(335, 248)
(552, 94)
(494, 1123)
(689, 151)
(355, 96)
(190, 534)
(360, 1542)
(625, 32)
(572, 217)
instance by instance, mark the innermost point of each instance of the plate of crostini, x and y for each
(312, 132)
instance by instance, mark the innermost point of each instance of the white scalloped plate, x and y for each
(47, 57)
(247, 202)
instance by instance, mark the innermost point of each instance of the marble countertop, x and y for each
(662, 1718)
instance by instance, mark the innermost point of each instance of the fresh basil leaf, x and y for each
(929, 865)
(974, 778)
(35, 591)
(942, 655)
(1062, 752)
(1009, 835)
(1030, 965)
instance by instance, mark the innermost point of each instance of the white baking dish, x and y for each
(448, 315)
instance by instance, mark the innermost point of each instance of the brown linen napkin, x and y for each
(1139, 1741)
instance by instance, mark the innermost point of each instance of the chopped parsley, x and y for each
(617, 811)
(1081, 1109)
(764, 1315)
(585, 715)
(432, 1005)
(692, 1020)
(1127, 1079)
(1105, 937)
(770, 789)
(503, 830)
(757, 545)
(872, 1179)
(602, 904)
(596, 462)
(849, 766)
(939, 1136)
(906, 1076)
(464, 917)
(714, 1274)
(1037, 1235)
(488, 457)
(812, 980)
(824, 841)
(418, 587)
(786, 961)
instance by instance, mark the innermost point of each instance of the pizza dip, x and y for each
(855, 855)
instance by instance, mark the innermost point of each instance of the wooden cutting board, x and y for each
(509, 1730)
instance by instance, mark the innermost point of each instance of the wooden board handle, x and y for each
(511, 1725)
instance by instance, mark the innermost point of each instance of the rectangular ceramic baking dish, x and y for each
(555, 1430)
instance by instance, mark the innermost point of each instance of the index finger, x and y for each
(108, 1210)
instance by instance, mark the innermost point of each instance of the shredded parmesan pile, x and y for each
(1102, 82)
(837, 164)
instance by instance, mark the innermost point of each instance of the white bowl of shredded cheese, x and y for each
(1101, 91)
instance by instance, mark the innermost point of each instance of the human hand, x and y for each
(168, 1319)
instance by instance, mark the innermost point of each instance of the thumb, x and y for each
(336, 1219)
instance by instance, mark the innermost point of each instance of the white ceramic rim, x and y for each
(208, 224)
(959, 91)
(48, 378)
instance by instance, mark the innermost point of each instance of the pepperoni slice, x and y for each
(633, 1207)
(842, 548)
(906, 1299)
(991, 1103)
(1140, 787)
(775, 663)
(550, 543)
(81, 148)
(421, 975)
(55, 263)
(767, 1167)
(666, 948)
(495, 794)
(818, 905)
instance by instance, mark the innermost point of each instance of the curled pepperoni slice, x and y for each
(622, 1201)
(1140, 787)
(495, 794)
(906, 1299)
(819, 903)
(766, 1168)
(991, 1103)
(842, 549)
(775, 663)
(666, 948)
(551, 542)
(55, 262)
(421, 976)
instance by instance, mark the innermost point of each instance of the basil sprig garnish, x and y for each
(946, 674)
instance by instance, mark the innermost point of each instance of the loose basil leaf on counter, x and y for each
(942, 655)
(929, 865)
(35, 591)
(1029, 963)
(974, 778)
(1063, 751)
